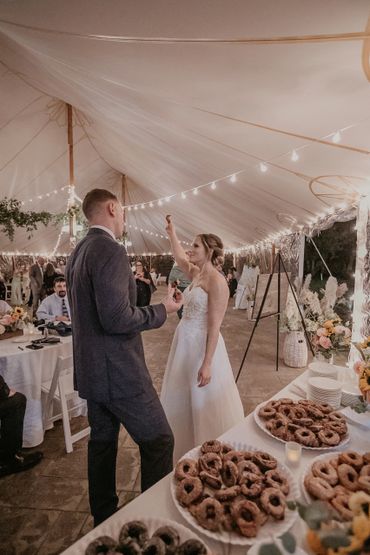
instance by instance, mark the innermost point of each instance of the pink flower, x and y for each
(339, 329)
(325, 342)
(321, 332)
(6, 320)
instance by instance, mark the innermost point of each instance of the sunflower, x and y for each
(314, 543)
(361, 527)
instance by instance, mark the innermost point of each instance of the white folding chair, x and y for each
(60, 387)
(8, 291)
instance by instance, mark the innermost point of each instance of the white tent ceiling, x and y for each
(179, 94)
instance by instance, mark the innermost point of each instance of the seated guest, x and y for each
(55, 308)
(4, 307)
(12, 409)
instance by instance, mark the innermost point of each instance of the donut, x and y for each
(339, 427)
(186, 468)
(188, 490)
(211, 480)
(329, 437)
(170, 537)
(285, 410)
(267, 412)
(348, 477)
(229, 473)
(337, 417)
(227, 494)
(364, 483)
(103, 544)
(280, 429)
(340, 504)
(247, 455)
(247, 467)
(352, 458)
(322, 469)
(192, 547)
(366, 457)
(316, 428)
(233, 456)
(210, 462)
(305, 437)
(273, 503)
(318, 488)
(299, 412)
(128, 547)
(154, 546)
(314, 412)
(252, 485)
(246, 515)
(275, 479)
(264, 460)
(365, 470)
(340, 490)
(274, 403)
(303, 422)
(285, 401)
(225, 448)
(213, 446)
(209, 514)
(135, 530)
(227, 518)
(325, 408)
(334, 463)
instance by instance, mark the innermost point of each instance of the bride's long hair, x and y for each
(213, 243)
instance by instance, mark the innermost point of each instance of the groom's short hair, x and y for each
(93, 200)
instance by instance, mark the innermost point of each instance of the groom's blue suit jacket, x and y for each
(108, 353)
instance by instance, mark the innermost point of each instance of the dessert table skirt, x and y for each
(25, 370)
(157, 501)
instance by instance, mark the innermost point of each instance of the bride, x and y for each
(199, 394)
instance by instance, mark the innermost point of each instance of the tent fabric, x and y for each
(177, 95)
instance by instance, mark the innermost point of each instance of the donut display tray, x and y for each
(112, 527)
(261, 424)
(271, 528)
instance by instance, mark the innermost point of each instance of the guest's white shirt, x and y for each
(4, 307)
(51, 307)
(104, 229)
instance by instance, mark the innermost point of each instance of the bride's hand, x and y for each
(170, 228)
(204, 375)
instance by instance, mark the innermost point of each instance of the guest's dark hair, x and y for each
(94, 198)
(213, 243)
(59, 279)
(49, 270)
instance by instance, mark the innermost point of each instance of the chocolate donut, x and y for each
(323, 469)
(246, 515)
(273, 502)
(103, 544)
(348, 477)
(185, 468)
(264, 461)
(189, 490)
(212, 446)
(135, 530)
(154, 546)
(170, 538)
(209, 514)
(192, 547)
(129, 546)
(352, 458)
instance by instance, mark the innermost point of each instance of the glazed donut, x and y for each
(339, 427)
(305, 437)
(170, 537)
(128, 547)
(267, 412)
(211, 480)
(189, 490)
(328, 437)
(135, 530)
(348, 477)
(275, 479)
(364, 483)
(229, 473)
(212, 446)
(352, 458)
(252, 485)
(337, 417)
(192, 547)
(319, 488)
(225, 448)
(227, 494)
(245, 467)
(186, 468)
(324, 470)
(233, 456)
(340, 504)
(264, 461)
(209, 514)
(210, 462)
(103, 544)
(154, 546)
(246, 515)
(273, 502)
(365, 470)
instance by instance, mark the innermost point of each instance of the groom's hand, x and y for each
(171, 304)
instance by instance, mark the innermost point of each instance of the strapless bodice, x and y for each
(195, 306)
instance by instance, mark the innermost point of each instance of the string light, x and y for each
(213, 185)
(183, 196)
(195, 191)
(294, 157)
(336, 137)
(233, 178)
(44, 195)
(263, 167)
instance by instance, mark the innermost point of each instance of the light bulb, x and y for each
(263, 167)
(183, 196)
(168, 199)
(233, 178)
(142, 206)
(294, 157)
(195, 191)
(213, 185)
(129, 208)
(135, 207)
(160, 202)
(151, 205)
(336, 137)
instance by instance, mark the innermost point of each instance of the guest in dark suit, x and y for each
(109, 364)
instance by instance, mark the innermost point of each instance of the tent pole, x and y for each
(123, 197)
(72, 216)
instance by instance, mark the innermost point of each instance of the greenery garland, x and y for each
(12, 216)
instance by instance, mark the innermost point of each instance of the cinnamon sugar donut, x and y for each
(186, 468)
(303, 422)
(340, 490)
(210, 462)
(234, 456)
(246, 515)
(339, 427)
(264, 460)
(227, 494)
(348, 477)
(314, 412)
(337, 417)
(212, 446)
(229, 473)
(305, 437)
(364, 483)
(340, 504)
(188, 490)
(328, 437)
(267, 412)
(365, 470)
(225, 448)
(209, 514)
(325, 408)
(323, 469)
(245, 467)
(276, 479)
(352, 458)
(286, 410)
(252, 485)
(299, 412)
(210, 479)
(273, 502)
(318, 488)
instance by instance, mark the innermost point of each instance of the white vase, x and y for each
(320, 358)
(295, 349)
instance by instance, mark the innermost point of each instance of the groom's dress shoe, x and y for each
(20, 462)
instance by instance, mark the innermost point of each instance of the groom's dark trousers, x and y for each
(109, 367)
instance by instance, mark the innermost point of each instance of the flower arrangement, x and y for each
(11, 321)
(362, 368)
(331, 336)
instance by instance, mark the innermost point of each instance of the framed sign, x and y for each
(271, 305)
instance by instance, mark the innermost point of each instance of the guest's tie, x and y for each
(64, 309)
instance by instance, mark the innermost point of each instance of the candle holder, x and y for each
(293, 453)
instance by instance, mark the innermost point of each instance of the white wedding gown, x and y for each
(197, 414)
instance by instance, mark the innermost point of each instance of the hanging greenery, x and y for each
(12, 216)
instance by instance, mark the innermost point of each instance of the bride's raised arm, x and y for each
(178, 252)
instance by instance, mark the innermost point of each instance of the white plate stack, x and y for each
(324, 390)
(323, 370)
(350, 394)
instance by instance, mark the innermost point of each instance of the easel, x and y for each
(279, 266)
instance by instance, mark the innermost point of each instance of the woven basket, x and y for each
(295, 349)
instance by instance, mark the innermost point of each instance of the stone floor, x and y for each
(46, 509)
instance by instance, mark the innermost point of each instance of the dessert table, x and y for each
(157, 501)
(25, 370)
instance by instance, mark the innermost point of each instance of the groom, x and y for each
(109, 365)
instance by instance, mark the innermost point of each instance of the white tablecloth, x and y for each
(25, 371)
(157, 501)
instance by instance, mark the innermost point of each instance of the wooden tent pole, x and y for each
(123, 196)
(72, 217)
(273, 254)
